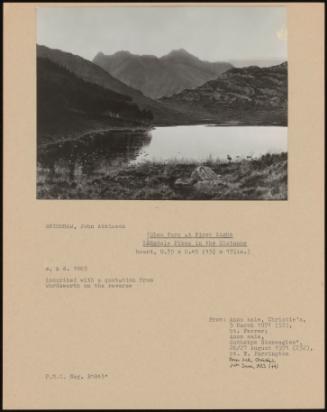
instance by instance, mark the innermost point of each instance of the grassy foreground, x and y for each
(255, 179)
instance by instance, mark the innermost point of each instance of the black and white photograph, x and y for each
(162, 103)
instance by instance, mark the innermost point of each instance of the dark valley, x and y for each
(90, 72)
(68, 105)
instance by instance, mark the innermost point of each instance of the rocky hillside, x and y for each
(92, 73)
(249, 95)
(164, 76)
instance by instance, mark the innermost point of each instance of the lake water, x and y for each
(203, 142)
(97, 154)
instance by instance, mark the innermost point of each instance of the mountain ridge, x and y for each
(161, 76)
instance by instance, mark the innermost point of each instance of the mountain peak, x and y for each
(122, 53)
(156, 77)
(179, 53)
(99, 54)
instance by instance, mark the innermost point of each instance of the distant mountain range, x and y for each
(164, 76)
(248, 95)
(75, 95)
(92, 73)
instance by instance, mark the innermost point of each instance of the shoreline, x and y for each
(128, 129)
(93, 132)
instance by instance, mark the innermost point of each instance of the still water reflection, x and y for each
(98, 154)
(92, 155)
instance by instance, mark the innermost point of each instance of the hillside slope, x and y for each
(249, 95)
(90, 72)
(67, 105)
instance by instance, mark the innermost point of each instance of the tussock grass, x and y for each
(264, 178)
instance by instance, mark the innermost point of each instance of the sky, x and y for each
(236, 34)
